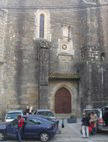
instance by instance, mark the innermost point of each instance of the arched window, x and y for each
(42, 21)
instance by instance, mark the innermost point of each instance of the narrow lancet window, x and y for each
(42, 22)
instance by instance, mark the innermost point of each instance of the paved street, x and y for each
(71, 133)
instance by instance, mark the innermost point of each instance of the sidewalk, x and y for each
(71, 133)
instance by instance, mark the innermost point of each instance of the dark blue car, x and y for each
(34, 127)
(48, 114)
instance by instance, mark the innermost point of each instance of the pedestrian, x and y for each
(93, 122)
(31, 110)
(27, 110)
(85, 126)
(62, 123)
(20, 128)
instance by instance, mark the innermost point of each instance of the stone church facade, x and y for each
(53, 54)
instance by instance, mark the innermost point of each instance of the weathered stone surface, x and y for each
(74, 55)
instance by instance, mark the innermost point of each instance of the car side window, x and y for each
(34, 122)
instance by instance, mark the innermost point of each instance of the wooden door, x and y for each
(63, 101)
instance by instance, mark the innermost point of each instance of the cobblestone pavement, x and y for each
(71, 133)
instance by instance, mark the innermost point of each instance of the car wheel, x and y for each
(44, 137)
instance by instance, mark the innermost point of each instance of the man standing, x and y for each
(31, 110)
(20, 127)
(26, 112)
(85, 124)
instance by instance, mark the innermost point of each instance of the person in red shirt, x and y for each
(20, 127)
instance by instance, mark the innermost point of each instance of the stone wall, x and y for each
(39, 3)
(3, 21)
(104, 14)
(78, 36)
(21, 60)
(94, 63)
(21, 56)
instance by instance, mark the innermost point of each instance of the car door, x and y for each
(32, 128)
(11, 129)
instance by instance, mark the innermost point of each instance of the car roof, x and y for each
(92, 109)
(105, 107)
(34, 116)
(44, 110)
(13, 111)
(37, 117)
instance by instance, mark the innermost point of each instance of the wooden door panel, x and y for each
(63, 101)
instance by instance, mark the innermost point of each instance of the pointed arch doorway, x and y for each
(63, 101)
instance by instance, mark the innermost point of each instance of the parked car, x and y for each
(34, 127)
(48, 114)
(103, 119)
(45, 112)
(102, 114)
(11, 115)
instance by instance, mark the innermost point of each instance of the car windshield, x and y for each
(46, 113)
(12, 115)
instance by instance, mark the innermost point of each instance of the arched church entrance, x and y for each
(62, 101)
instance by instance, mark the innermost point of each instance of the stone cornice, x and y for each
(66, 76)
